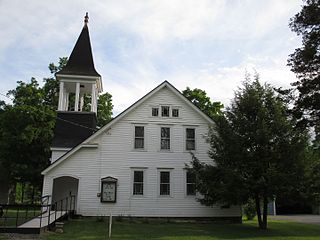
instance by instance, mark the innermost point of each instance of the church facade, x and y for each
(136, 165)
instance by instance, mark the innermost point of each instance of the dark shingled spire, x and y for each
(81, 60)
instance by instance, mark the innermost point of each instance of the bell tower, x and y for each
(79, 75)
(77, 79)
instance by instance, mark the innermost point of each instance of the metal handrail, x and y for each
(67, 204)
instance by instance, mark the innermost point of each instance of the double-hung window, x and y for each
(138, 182)
(164, 183)
(155, 112)
(175, 112)
(139, 137)
(190, 139)
(165, 111)
(165, 138)
(191, 183)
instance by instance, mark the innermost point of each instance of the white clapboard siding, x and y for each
(57, 153)
(115, 156)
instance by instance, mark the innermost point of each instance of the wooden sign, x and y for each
(109, 189)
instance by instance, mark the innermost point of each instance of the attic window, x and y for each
(175, 112)
(165, 111)
(155, 112)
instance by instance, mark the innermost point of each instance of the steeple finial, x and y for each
(86, 18)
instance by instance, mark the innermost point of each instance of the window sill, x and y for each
(165, 151)
(190, 196)
(190, 151)
(165, 196)
(139, 150)
(138, 197)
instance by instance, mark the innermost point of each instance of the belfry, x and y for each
(78, 81)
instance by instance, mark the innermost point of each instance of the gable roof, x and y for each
(81, 61)
(124, 113)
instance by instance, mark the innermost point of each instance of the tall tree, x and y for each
(199, 98)
(256, 151)
(105, 107)
(26, 126)
(51, 85)
(312, 177)
(26, 133)
(305, 63)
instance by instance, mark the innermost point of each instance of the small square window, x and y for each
(175, 112)
(165, 111)
(155, 112)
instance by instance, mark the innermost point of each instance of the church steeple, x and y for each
(81, 60)
(79, 76)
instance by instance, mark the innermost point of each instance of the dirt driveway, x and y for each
(308, 218)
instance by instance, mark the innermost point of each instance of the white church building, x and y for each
(136, 164)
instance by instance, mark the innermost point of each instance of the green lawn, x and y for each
(91, 229)
(10, 216)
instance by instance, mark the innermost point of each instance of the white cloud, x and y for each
(138, 44)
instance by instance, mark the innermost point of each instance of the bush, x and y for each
(249, 209)
(119, 218)
(100, 218)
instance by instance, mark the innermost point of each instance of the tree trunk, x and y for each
(22, 192)
(265, 212)
(32, 196)
(12, 194)
(258, 210)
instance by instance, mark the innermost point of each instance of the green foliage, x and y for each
(249, 209)
(26, 128)
(105, 107)
(199, 98)
(312, 177)
(305, 63)
(51, 85)
(100, 218)
(119, 218)
(256, 150)
(26, 134)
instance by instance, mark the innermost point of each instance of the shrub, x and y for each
(119, 218)
(100, 219)
(249, 209)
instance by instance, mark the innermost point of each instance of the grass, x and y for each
(10, 216)
(93, 230)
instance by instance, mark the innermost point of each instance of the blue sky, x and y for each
(208, 44)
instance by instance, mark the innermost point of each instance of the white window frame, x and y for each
(152, 107)
(170, 182)
(186, 138)
(169, 111)
(179, 112)
(186, 185)
(170, 137)
(195, 127)
(134, 137)
(144, 170)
